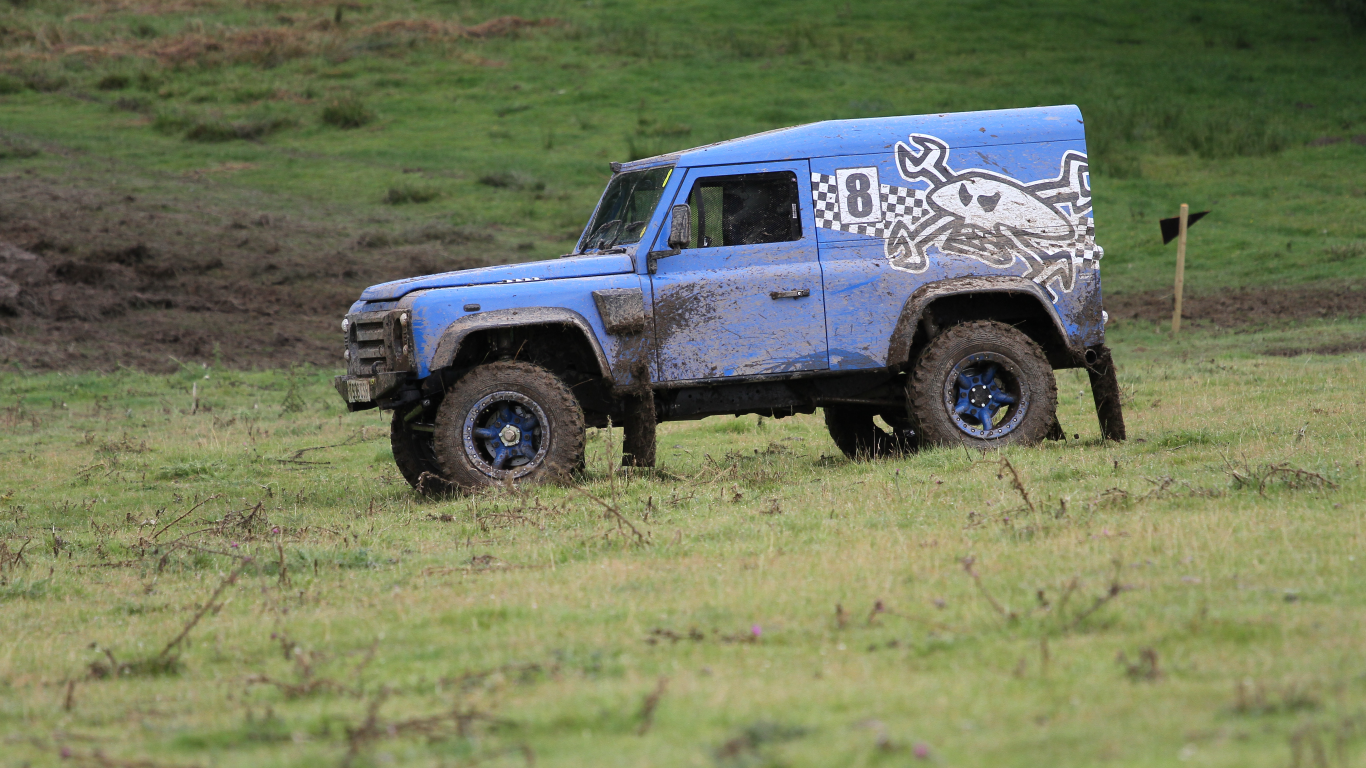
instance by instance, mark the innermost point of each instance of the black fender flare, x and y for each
(448, 346)
(899, 346)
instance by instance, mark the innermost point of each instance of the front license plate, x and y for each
(358, 391)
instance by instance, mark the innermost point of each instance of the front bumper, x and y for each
(363, 392)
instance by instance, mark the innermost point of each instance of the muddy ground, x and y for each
(1241, 307)
(94, 276)
(1249, 308)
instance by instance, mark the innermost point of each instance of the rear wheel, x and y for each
(858, 436)
(983, 384)
(508, 422)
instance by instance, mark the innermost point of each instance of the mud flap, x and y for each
(638, 443)
(1105, 391)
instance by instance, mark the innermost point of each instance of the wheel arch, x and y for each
(1014, 300)
(457, 345)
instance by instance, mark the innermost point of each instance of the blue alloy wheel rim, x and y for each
(506, 435)
(986, 396)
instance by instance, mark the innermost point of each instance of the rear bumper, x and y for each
(363, 392)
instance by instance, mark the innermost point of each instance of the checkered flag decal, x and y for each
(825, 198)
(1087, 249)
(902, 202)
(897, 202)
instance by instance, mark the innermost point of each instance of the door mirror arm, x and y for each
(652, 259)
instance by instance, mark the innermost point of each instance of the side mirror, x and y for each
(680, 227)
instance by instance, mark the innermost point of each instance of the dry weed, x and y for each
(459, 721)
(167, 662)
(1271, 475)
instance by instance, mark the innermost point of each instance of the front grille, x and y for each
(378, 343)
(369, 345)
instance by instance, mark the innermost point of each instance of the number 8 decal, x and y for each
(860, 195)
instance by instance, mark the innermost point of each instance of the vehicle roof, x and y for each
(874, 135)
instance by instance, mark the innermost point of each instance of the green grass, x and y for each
(347, 112)
(1213, 103)
(1231, 639)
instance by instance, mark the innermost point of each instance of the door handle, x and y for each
(797, 294)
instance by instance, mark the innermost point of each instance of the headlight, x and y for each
(346, 325)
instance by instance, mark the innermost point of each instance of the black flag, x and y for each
(1172, 227)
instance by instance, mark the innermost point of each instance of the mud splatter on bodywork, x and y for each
(719, 331)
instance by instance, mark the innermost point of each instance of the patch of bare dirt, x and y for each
(1241, 307)
(1344, 348)
(295, 37)
(93, 277)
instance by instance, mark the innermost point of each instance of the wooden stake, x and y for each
(1180, 267)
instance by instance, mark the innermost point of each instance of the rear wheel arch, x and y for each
(1012, 300)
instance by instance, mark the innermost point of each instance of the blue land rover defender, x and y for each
(932, 270)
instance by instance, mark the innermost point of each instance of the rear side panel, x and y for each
(928, 208)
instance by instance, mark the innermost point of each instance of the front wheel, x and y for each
(983, 384)
(415, 454)
(508, 422)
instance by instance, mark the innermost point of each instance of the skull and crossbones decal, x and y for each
(973, 213)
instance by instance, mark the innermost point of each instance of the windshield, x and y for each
(626, 208)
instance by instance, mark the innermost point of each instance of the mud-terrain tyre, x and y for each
(983, 370)
(859, 437)
(415, 455)
(508, 422)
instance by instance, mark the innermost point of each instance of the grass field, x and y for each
(1191, 595)
(219, 566)
(1246, 108)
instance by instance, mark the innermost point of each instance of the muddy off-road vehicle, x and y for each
(932, 271)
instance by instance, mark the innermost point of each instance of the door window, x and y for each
(748, 209)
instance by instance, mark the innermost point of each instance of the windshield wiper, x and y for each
(596, 252)
(622, 229)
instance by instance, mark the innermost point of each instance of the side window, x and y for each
(745, 210)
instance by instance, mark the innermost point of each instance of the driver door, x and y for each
(745, 296)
